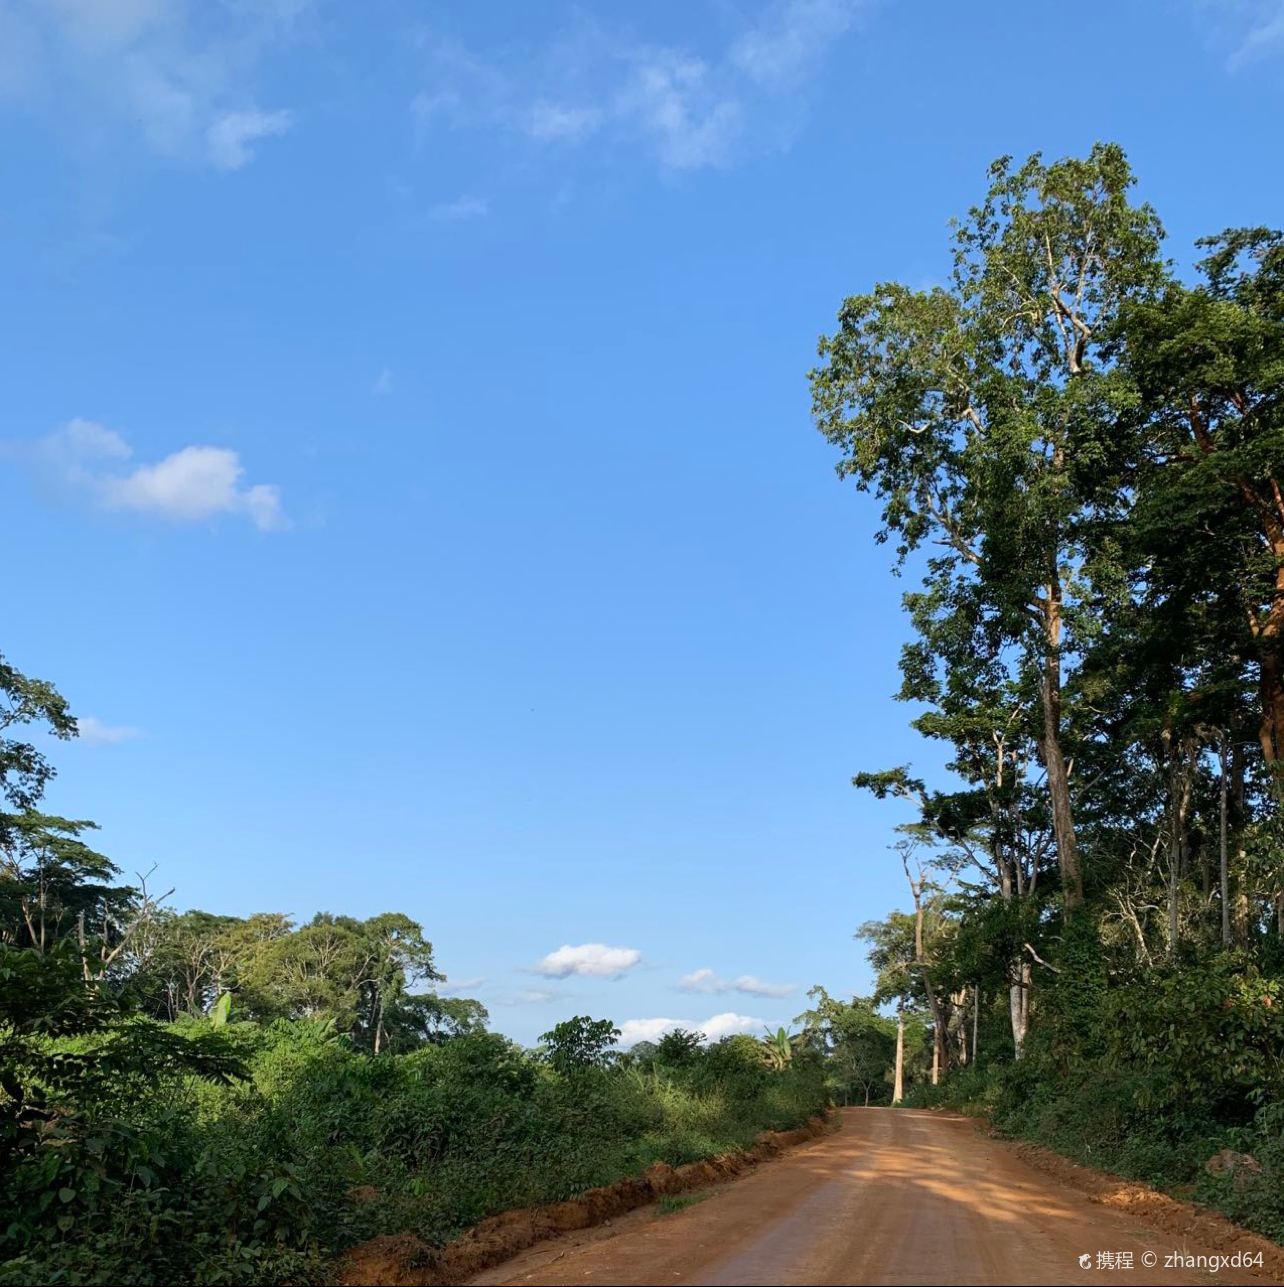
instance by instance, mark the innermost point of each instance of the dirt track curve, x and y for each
(896, 1196)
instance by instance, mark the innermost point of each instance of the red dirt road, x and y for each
(896, 1196)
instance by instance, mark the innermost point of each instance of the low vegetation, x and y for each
(199, 1098)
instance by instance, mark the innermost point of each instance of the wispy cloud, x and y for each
(707, 981)
(592, 960)
(95, 732)
(550, 122)
(1250, 30)
(689, 109)
(178, 74)
(231, 135)
(526, 997)
(462, 987)
(681, 108)
(189, 485)
(789, 38)
(1264, 37)
(465, 207)
(714, 1028)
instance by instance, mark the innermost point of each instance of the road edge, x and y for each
(405, 1260)
(1167, 1214)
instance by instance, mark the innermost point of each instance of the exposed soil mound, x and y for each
(899, 1196)
(1196, 1224)
(404, 1260)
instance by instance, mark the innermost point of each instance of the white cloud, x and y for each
(82, 445)
(462, 987)
(1264, 36)
(714, 1028)
(689, 109)
(382, 386)
(551, 121)
(674, 102)
(231, 134)
(193, 484)
(701, 981)
(190, 485)
(464, 207)
(791, 37)
(728, 1024)
(755, 987)
(707, 981)
(94, 732)
(525, 997)
(1250, 30)
(634, 1030)
(593, 960)
(178, 73)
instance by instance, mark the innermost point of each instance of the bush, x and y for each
(1164, 1070)
(318, 1145)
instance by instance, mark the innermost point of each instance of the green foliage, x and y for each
(670, 1203)
(580, 1043)
(1083, 455)
(24, 770)
(199, 1098)
(1203, 1037)
(320, 1144)
(1165, 1068)
(857, 1044)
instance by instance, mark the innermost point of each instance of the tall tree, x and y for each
(857, 1043)
(980, 415)
(1208, 362)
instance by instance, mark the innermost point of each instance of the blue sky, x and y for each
(406, 462)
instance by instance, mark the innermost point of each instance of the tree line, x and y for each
(59, 897)
(1076, 448)
(197, 1097)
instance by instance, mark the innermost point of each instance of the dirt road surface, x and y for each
(895, 1196)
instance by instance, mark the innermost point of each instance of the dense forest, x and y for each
(1078, 453)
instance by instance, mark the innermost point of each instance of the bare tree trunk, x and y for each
(958, 1006)
(1182, 753)
(1242, 921)
(898, 1085)
(976, 1017)
(1019, 1006)
(1223, 843)
(1054, 760)
(940, 1024)
(84, 950)
(1271, 687)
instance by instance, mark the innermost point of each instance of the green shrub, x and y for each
(319, 1145)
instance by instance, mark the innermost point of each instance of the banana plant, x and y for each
(777, 1049)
